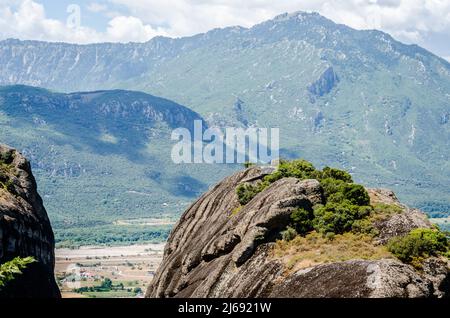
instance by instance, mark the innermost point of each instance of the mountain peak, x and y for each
(297, 15)
(303, 17)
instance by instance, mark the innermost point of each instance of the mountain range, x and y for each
(357, 100)
(102, 157)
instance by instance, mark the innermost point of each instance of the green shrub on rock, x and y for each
(336, 174)
(246, 192)
(346, 202)
(336, 183)
(289, 234)
(336, 190)
(302, 220)
(418, 244)
(331, 187)
(338, 218)
(356, 194)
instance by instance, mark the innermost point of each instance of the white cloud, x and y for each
(27, 20)
(130, 29)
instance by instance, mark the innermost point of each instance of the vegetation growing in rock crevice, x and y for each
(10, 270)
(6, 159)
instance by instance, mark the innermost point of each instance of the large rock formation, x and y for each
(25, 229)
(218, 249)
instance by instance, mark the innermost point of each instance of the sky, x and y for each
(423, 22)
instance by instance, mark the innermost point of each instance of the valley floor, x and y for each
(115, 271)
(107, 272)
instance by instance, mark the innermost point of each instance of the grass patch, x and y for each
(315, 249)
(382, 211)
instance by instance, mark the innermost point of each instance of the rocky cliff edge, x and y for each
(25, 229)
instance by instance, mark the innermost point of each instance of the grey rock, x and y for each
(355, 279)
(436, 270)
(218, 251)
(25, 229)
(390, 278)
(398, 224)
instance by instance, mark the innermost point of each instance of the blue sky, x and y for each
(423, 22)
(96, 20)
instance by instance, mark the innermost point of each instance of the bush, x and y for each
(106, 284)
(338, 217)
(418, 244)
(302, 220)
(331, 186)
(356, 194)
(337, 191)
(330, 236)
(248, 164)
(332, 180)
(336, 174)
(300, 169)
(346, 202)
(6, 157)
(246, 192)
(289, 234)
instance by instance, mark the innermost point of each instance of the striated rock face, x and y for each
(25, 229)
(219, 250)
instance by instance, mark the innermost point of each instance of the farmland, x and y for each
(107, 272)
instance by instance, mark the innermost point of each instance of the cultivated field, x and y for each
(105, 272)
